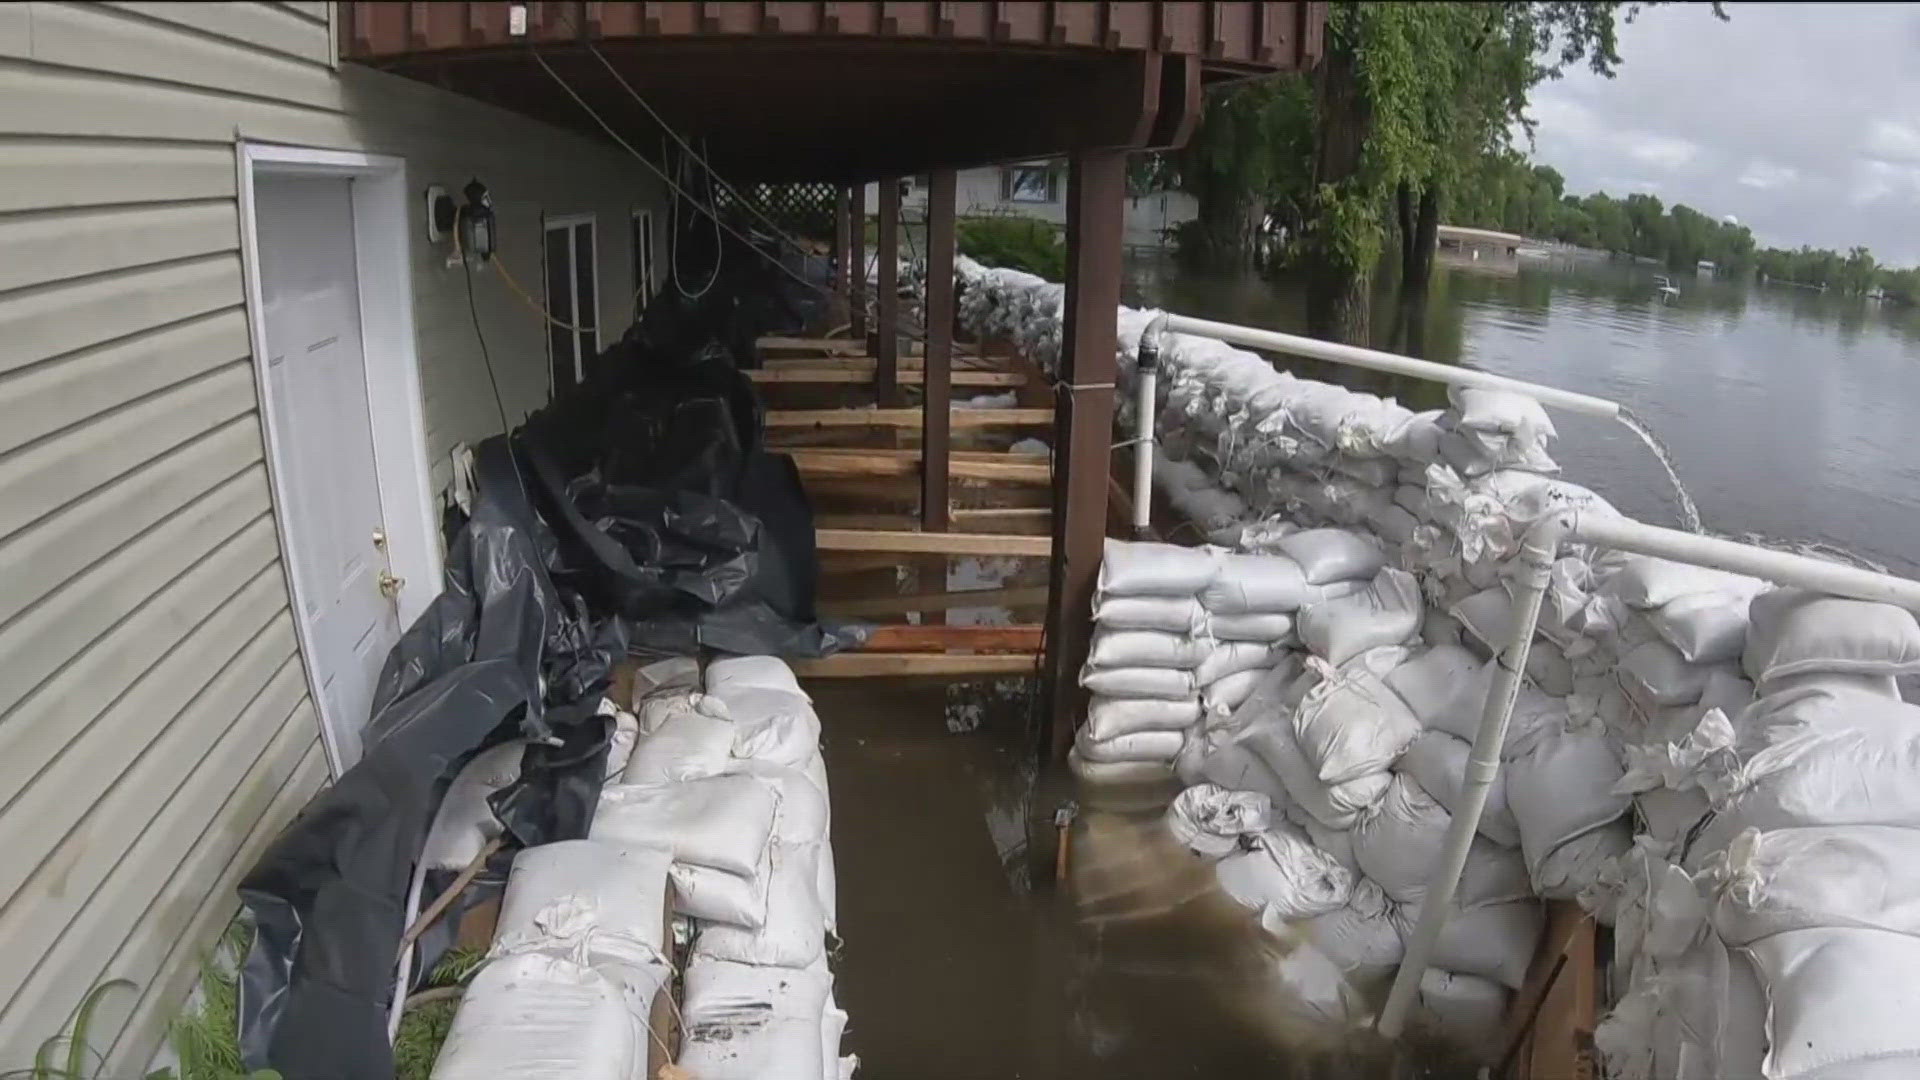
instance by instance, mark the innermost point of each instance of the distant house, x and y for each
(1037, 189)
(1475, 244)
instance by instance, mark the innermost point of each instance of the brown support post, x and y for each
(1083, 432)
(936, 400)
(886, 343)
(842, 255)
(857, 235)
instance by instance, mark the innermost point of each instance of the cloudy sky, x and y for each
(1801, 120)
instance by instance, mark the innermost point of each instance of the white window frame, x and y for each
(548, 224)
(383, 261)
(1010, 187)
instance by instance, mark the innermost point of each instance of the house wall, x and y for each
(977, 194)
(155, 725)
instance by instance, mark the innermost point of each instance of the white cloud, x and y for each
(1765, 174)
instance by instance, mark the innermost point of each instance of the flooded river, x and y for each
(1789, 413)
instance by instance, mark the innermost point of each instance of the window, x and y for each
(642, 260)
(1029, 184)
(573, 298)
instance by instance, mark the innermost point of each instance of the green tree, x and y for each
(1248, 159)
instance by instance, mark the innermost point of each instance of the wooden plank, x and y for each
(776, 343)
(862, 361)
(1024, 520)
(930, 543)
(901, 638)
(907, 419)
(886, 301)
(1026, 596)
(854, 665)
(828, 376)
(814, 462)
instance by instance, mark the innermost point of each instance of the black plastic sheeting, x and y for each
(640, 511)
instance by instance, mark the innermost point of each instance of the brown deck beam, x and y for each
(857, 235)
(807, 346)
(907, 542)
(1096, 207)
(907, 419)
(901, 638)
(876, 665)
(1018, 520)
(1021, 596)
(936, 401)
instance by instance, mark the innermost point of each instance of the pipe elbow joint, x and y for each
(1153, 343)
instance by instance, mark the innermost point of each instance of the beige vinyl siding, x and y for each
(155, 726)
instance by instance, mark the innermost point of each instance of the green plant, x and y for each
(425, 1024)
(1017, 243)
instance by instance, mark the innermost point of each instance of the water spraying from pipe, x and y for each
(1689, 513)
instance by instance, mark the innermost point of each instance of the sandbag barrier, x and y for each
(709, 858)
(1722, 770)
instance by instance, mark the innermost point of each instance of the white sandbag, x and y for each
(720, 896)
(1256, 583)
(537, 1016)
(1387, 612)
(623, 731)
(741, 1022)
(751, 673)
(1145, 648)
(1861, 876)
(1335, 842)
(1549, 669)
(1233, 657)
(465, 821)
(1309, 986)
(1795, 632)
(1644, 581)
(1839, 1000)
(1655, 675)
(1395, 524)
(1264, 627)
(803, 813)
(1269, 694)
(1807, 775)
(724, 822)
(1216, 758)
(1398, 843)
(1560, 782)
(1359, 937)
(1488, 616)
(1475, 454)
(1504, 412)
(794, 932)
(1467, 1010)
(1437, 762)
(1431, 680)
(1326, 555)
(612, 897)
(687, 745)
(1167, 614)
(1118, 772)
(1209, 820)
(1708, 628)
(1579, 865)
(1225, 696)
(1494, 941)
(1336, 806)
(1156, 683)
(833, 1026)
(1698, 1015)
(1148, 569)
(1350, 725)
(1159, 746)
(1882, 686)
(1416, 438)
(774, 726)
(826, 886)
(1280, 871)
(1110, 717)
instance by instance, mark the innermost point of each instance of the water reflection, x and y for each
(1787, 411)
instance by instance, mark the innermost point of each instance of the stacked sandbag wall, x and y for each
(1721, 770)
(709, 856)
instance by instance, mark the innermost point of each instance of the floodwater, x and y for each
(1789, 413)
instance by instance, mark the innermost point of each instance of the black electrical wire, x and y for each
(499, 400)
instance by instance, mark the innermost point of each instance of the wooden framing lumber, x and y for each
(815, 462)
(1021, 596)
(776, 343)
(931, 543)
(874, 665)
(850, 376)
(898, 637)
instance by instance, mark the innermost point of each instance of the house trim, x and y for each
(381, 252)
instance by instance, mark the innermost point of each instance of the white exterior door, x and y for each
(316, 389)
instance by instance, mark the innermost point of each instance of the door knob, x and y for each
(390, 585)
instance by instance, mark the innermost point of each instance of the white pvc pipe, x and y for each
(1537, 553)
(1354, 356)
(1144, 408)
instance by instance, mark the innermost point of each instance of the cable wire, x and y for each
(499, 400)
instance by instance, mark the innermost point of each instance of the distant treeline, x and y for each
(1510, 193)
